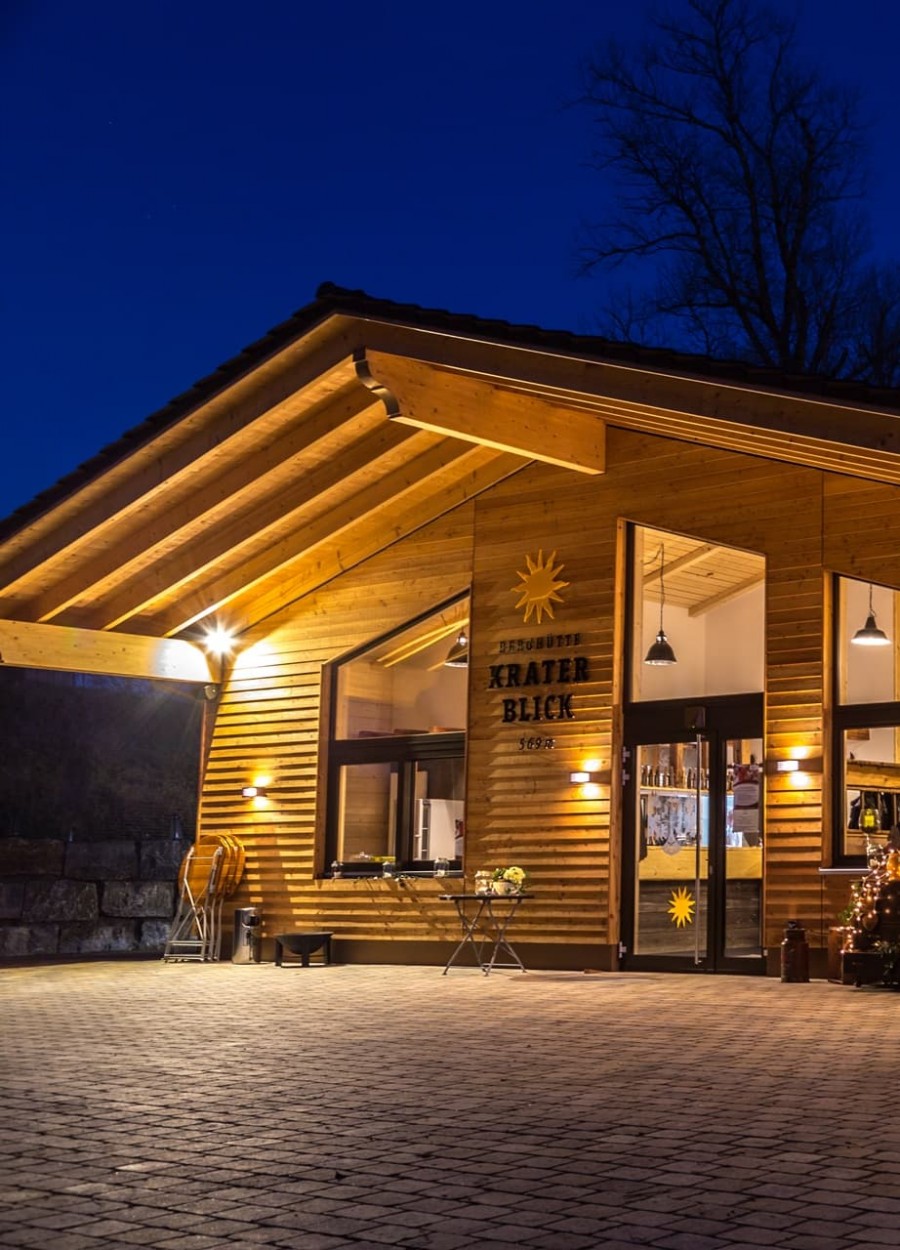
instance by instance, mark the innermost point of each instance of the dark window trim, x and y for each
(403, 753)
(403, 750)
(881, 715)
(853, 716)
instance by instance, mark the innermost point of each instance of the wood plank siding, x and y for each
(520, 805)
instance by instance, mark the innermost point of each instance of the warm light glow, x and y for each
(787, 766)
(218, 640)
(587, 777)
(253, 792)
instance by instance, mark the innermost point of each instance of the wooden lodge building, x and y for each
(373, 490)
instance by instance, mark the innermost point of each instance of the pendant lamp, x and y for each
(870, 635)
(661, 651)
(458, 655)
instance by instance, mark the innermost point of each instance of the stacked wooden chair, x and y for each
(210, 872)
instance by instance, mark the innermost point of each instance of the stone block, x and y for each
(85, 939)
(31, 857)
(161, 858)
(138, 898)
(60, 901)
(101, 861)
(153, 935)
(12, 897)
(21, 940)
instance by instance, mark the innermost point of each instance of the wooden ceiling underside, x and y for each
(245, 518)
(694, 575)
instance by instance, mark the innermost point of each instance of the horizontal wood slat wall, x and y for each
(520, 806)
(268, 725)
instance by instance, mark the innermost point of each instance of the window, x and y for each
(396, 766)
(707, 603)
(867, 718)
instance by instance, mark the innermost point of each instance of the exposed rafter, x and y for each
(463, 407)
(678, 564)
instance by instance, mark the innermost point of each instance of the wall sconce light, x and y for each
(253, 792)
(585, 778)
(661, 650)
(219, 640)
(870, 635)
(795, 764)
(458, 655)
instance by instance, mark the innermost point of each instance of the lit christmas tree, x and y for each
(872, 917)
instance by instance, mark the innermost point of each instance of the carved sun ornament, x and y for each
(538, 589)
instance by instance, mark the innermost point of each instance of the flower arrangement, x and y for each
(512, 876)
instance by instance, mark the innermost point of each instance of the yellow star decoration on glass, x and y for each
(681, 907)
(539, 586)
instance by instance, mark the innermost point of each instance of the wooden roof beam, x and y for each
(59, 647)
(176, 453)
(680, 562)
(463, 407)
(211, 553)
(434, 483)
(216, 502)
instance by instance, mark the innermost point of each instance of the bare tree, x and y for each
(739, 173)
(875, 354)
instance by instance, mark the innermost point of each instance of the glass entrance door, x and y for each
(672, 852)
(692, 896)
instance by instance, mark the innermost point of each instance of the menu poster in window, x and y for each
(745, 816)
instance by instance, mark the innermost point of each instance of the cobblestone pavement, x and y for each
(198, 1107)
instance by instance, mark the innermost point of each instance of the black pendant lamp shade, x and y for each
(458, 655)
(870, 635)
(661, 650)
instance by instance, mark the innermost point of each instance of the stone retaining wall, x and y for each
(71, 898)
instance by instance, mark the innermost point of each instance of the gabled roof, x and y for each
(355, 422)
(332, 299)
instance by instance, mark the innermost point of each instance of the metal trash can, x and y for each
(247, 921)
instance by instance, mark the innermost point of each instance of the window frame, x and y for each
(884, 714)
(404, 751)
(853, 716)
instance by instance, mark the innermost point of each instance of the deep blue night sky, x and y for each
(179, 177)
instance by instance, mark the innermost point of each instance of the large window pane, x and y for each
(868, 673)
(871, 786)
(709, 601)
(439, 809)
(402, 685)
(368, 806)
(397, 753)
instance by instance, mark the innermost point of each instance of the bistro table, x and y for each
(485, 919)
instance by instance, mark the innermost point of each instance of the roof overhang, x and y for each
(312, 453)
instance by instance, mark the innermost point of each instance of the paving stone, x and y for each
(220, 1107)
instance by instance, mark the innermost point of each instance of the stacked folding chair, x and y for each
(209, 873)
